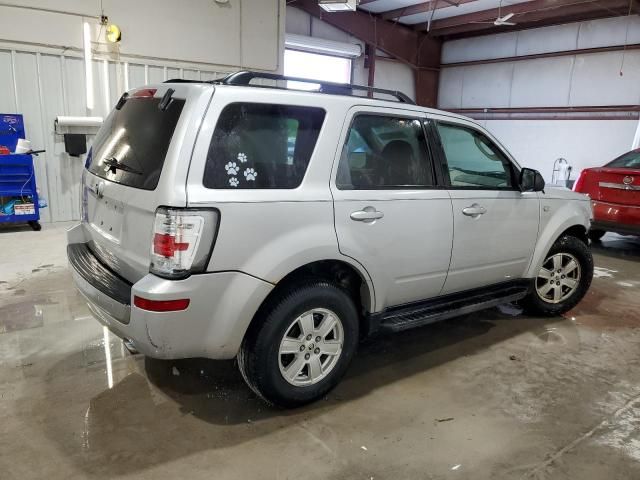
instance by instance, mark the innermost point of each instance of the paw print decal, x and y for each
(242, 157)
(232, 168)
(250, 174)
(233, 181)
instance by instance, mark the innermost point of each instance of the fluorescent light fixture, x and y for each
(88, 67)
(338, 5)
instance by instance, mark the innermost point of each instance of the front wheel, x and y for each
(563, 279)
(301, 345)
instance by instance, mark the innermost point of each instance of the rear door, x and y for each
(495, 225)
(389, 214)
(139, 161)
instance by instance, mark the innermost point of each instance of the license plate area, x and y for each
(105, 216)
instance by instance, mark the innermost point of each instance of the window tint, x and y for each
(384, 152)
(473, 160)
(262, 146)
(138, 137)
(628, 160)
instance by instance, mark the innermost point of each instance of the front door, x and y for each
(495, 225)
(389, 216)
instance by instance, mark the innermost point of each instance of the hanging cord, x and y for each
(24, 185)
(626, 37)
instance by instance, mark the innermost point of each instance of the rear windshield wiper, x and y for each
(114, 165)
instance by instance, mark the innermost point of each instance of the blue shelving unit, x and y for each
(18, 183)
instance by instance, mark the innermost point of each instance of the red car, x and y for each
(615, 195)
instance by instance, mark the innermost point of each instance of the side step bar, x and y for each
(412, 315)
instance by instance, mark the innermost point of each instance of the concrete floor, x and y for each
(497, 395)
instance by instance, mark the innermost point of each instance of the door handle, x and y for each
(367, 214)
(474, 211)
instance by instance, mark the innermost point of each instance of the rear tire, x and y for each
(301, 344)
(596, 235)
(563, 280)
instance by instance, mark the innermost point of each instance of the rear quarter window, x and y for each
(262, 146)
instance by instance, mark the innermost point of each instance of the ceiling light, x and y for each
(338, 5)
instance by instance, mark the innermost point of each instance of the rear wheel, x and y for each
(563, 279)
(35, 225)
(302, 345)
(596, 235)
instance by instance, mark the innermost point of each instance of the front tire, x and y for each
(563, 280)
(301, 345)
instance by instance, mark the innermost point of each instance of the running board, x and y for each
(412, 315)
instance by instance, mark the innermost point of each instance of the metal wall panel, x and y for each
(541, 83)
(573, 80)
(487, 85)
(41, 86)
(596, 79)
(450, 89)
(588, 34)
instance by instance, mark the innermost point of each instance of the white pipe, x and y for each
(62, 121)
(88, 67)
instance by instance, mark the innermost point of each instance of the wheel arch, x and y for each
(353, 279)
(574, 226)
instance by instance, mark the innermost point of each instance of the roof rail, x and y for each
(245, 78)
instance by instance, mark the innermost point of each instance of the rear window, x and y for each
(628, 160)
(262, 146)
(137, 136)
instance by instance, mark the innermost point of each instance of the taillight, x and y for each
(182, 241)
(579, 185)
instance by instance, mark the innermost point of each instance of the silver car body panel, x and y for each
(421, 248)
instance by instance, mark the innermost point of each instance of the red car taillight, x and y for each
(579, 185)
(182, 241)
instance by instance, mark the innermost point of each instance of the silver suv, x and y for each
(228, 219)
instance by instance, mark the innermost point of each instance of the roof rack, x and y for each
(244, 78)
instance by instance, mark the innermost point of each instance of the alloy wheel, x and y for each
(558, 278)
(311, 347)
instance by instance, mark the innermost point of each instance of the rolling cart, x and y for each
(18, 193)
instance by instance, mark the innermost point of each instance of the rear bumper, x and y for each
(614, 217)
(213, 326)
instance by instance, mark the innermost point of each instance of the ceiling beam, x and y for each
(401, 42)
(535, 13)
(421, 8)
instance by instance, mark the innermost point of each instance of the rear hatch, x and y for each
(139, 161)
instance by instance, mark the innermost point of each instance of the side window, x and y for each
(259, 145)
(383, 152)
(473, 160)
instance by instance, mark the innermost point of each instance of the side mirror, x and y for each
(531, 180)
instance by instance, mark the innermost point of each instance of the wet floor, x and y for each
(494, 395)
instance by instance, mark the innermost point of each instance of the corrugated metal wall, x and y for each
(608, 78)
(42, 86)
